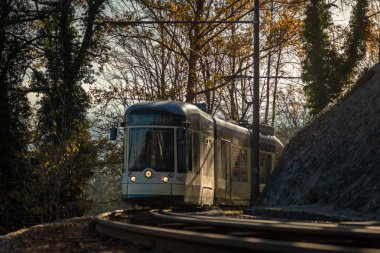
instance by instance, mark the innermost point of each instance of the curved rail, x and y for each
(172, 232)
(334, 231)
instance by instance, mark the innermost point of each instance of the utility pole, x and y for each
(255, 182)
(378, 43)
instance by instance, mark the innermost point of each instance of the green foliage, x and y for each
(14, 115)
(64, 103)
(64, 151)
(326, 69)
(61, 172)
(43, 172)
(104, 189)
(355, 48)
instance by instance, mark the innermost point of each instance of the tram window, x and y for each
(261, 159)
(261, 175)
(265, 167)
(243, 165)
(269, 162)
(225, 149)
(235, 151)
(126, 140)
(181, 151)
(196, 151)
(151, 148)
(239, 164)
(150, 118)
(189, 157)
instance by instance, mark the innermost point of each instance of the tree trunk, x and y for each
(266, 115)
(232, 90)
(195, 41)
(275, 86)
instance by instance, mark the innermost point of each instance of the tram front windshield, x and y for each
(151, 148)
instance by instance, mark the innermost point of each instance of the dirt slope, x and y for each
(335, 161)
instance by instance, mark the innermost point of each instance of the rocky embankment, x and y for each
(334, 163)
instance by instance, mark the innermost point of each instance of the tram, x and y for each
(176, 154)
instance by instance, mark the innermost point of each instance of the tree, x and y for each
(14, 110)
(372, 56)
(71, 39)
(292, 115)
(190, 40)
(68, 46)
(326, 71)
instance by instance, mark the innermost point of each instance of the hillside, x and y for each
(334, 163)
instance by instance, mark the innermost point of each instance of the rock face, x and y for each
(335, 161)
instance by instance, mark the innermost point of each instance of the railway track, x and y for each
(181, 232)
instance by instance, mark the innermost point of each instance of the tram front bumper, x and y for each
(150, 189)
(153, 193)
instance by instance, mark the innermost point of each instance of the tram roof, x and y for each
(184, 111)
(173, 107)
(187, 112)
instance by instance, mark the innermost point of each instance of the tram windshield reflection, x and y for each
(151, 148)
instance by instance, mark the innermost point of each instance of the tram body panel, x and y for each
(192, 188)
(199, 183)
(207, 171)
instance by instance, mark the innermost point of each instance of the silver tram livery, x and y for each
(175, 153)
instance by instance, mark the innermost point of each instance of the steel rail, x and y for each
(188, 241)
(363, 224)
(304, 228)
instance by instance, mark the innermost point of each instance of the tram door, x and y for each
(226, 171)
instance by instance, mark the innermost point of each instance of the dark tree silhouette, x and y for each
(327, 70)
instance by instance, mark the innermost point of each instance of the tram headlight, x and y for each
(133, 178)
(165, 179)
(148, 173)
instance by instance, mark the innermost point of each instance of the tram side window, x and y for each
(181, 151)
(239, 164)
(189, 156)
(265, 167)
(243, 165)
(225, 158)
(196, 151)
(235, 163)
(126, 141)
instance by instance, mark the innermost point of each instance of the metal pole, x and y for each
(378, 43)
(255, 182)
